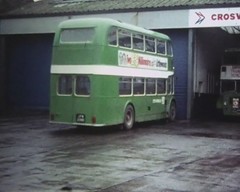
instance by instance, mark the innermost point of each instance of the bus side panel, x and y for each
(156, 107)
(149, 108)
(106, 107)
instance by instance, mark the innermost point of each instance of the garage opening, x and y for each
(210, 44)
(28, 59)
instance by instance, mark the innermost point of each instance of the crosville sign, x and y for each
(214, 17)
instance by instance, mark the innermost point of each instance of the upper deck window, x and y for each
(150, 44)
(169, 48)
(124, 38)
(83, 35)
(138, 42)
(161, 47)
(112, 36)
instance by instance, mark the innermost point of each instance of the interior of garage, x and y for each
(210, 44)
(27, 72)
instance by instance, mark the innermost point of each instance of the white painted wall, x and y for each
(150, 20)
(164, 19)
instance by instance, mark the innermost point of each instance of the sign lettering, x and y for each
(214, 17)
(236, 72)
(139, 60)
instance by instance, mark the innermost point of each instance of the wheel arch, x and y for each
(172, 100)
(129, 116)
(126, 104)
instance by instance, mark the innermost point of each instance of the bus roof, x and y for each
(107, 22)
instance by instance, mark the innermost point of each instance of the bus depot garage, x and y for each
(210, 44)
(199, 39)
(28, 81)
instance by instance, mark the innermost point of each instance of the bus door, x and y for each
(81, 104)
(62, 104)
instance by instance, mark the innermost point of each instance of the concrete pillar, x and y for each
(3, 76)
(190, 93)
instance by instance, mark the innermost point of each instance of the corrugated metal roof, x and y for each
(66, 7)
(10, 5)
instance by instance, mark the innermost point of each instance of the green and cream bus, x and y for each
(105, 72)
(228, 102)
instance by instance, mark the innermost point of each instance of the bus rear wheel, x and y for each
(172, 111)
(129, 117)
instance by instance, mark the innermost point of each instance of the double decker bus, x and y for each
(229, 100)
(106, 72)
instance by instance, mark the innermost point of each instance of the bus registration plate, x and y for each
(80, 118)
(235, 103)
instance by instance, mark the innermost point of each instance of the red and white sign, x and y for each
(230, 72)
(235, 72)
(221, 17)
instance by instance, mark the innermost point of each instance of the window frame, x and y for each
(125, 33)
(155, 86)
(69, 82)
(87, 88)
(165, 86)
(142, 79)
(71, 41)
(163, 42)
(134, 37)
(131, 86)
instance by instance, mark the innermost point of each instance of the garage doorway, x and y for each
(28, 59)
(210, 44)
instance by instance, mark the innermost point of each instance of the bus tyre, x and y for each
(129, 118)
(172, 111)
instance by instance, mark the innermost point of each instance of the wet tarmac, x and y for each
(183, 156)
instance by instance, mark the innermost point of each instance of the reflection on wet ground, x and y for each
(179, 156)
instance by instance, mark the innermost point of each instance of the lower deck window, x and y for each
(65, 85)
(82, 85)
(68, 83)
(228, 85)
(125, 86)
(144, 86)
(238, 86)
(161, 86)
(170, 83)
(150, 86)
(138, 86)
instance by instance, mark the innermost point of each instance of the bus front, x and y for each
(229, 101)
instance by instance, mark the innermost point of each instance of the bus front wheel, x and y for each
(129, 117)
(172, 111)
